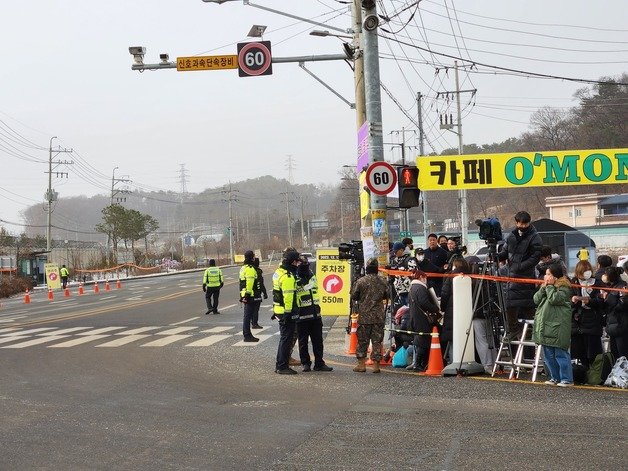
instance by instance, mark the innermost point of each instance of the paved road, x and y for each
(140, 378)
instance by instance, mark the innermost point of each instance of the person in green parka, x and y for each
(552, 325)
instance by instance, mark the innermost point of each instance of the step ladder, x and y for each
(517, 362)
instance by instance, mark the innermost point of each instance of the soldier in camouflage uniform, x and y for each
(370, 292)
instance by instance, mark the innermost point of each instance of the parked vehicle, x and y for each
(482, 252)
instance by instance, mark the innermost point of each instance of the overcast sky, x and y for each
(67, 72)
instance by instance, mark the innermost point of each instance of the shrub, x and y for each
(14, 285)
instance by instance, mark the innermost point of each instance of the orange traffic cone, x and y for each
(96, 288)
(66, 293)
(27, 297)
(51, 295)
(80, 291)
(353, 336)
(118, 284)
(435, 364)
(107, 287)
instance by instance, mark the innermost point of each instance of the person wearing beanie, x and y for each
(370, 292)
(401, 260)
(285, 308)
(260, 290)
(248, 284)
(212, 283)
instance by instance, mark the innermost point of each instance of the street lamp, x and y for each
(323, 34)
(256, 31)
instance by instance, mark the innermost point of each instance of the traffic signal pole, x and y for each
(373, 102)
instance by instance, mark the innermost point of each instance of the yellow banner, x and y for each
(185, 64)
(334, 282)
(53, 279)
(523, 169)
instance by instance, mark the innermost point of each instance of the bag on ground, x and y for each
(600, 368)
(618, 377)
(400, 359)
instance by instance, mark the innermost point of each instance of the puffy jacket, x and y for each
(523, 252)
(284, 291)
(589, 318)
(552, 320)
(617, 313)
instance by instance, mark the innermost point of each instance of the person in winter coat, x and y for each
(552, 325)
(616, 308)
(458, 266)
(258, 293)
(587, 315)
(421, 303)
(522, 251)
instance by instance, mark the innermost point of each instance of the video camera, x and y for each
(352, 251)
(490, 229)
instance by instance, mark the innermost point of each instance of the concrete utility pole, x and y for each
(358, 64)
(304, 241)
(448, 125)
(288, 201)
(372, 89)
(419, 105)
(230, 200)
(51, 196)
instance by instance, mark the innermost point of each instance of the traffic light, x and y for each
(407, 181)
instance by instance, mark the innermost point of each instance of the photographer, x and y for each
(522, 251)
(401, 284)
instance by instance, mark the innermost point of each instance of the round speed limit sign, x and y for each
(381, 178)
(254, 58)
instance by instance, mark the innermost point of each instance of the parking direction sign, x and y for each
(254, 59)
(381, 178)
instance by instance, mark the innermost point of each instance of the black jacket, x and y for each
(420, 303)
(587, 321)
(617, 312)
(522, 252)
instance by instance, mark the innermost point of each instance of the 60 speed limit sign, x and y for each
(254, 58)
(381, 178)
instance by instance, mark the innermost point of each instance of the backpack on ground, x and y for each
(600, 368)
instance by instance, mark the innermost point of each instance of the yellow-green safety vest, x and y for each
(284, 289)
(212, 278)
(248, 277)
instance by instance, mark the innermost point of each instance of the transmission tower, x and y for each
(183, 179)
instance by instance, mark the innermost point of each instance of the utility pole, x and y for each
(372, 87)
(52, 196)
(230, 200)
(303, 239)
(342, 221)
(462, 194)
(288, 201)
(358, 64)
(419, 106)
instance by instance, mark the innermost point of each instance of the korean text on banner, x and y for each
(525, 169)
(53, 279)
(334, 283)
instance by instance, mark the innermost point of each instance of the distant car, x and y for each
(482, 252)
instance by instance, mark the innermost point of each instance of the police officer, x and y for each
(248, 283)
(212, 283)
(309, 322)
(64, 276)
(259, 292)
(285, 308)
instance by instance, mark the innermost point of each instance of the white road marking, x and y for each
(123, 340)
(6, 321)
(176, 330)
(108, 297)
(134, 298)
(215, 330)
(8, 329)
(100, 331)
(30, 331)
(207, 341)
(165, 341)
(227, 307)
(261, 338)
(63, 331)
(139, 330)
(36, 341)
(78, 341)
(187, 320)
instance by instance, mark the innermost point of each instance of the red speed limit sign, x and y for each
(381, 178)
(254, 59)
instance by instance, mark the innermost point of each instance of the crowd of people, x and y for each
(572, 317)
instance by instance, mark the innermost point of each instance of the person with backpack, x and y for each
(552, 325)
